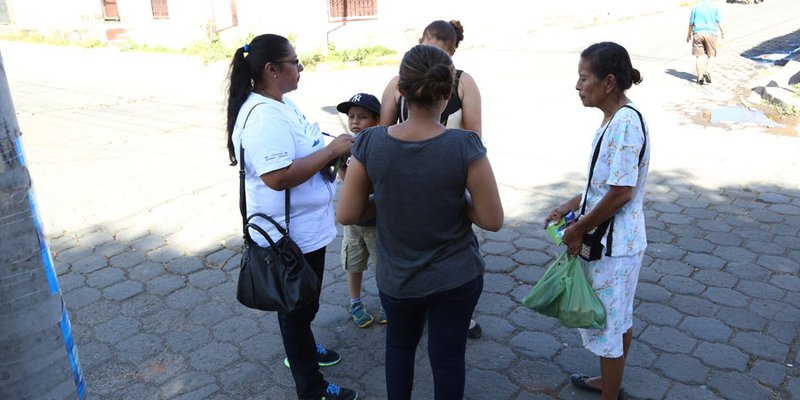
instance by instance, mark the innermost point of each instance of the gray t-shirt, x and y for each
(425, 240)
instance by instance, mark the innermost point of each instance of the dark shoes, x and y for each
(333, 392)
(325, 357)
(707, 77)
(475, 332)
(579, 381)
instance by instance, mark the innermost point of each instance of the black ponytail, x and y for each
(239, 87)
(247, 71)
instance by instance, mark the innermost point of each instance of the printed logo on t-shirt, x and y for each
(270, 157)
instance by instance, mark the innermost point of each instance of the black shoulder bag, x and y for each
(277, 277)
(592, 248)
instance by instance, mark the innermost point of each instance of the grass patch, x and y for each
(56, 39)
(344, 58)
(783, 110)
(212, 49)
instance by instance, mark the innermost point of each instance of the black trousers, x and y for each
(298, 340)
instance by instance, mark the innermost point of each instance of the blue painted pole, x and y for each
(38, 355)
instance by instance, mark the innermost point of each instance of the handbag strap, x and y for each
(242, 201)
(610, 238)
(597, 152)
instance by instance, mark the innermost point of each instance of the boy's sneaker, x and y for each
(325, 357)
(707, 77)
(333, 392)
(382, 316)
(360, 315)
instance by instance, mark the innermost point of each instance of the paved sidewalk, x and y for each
(141, 213)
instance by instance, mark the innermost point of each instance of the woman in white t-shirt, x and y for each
(282, 151)
(616, 190)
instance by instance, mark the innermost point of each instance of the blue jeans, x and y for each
(298, 340)
(448, 314)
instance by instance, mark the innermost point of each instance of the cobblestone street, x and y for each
(141, 215)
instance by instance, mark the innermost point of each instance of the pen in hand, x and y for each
(334, 136)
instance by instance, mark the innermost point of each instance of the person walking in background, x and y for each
(359, 243)
(705, 27)
(615, 190)
(463, 109)
(430, 183)
(283, 151)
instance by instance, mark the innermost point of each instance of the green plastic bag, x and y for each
(579, 306)
(564, 293)
(545, 295)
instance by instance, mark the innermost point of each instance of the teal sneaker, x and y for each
(360, 315)
(325, 357)
(382, 316)
(333, 392)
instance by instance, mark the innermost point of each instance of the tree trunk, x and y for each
(38, 355)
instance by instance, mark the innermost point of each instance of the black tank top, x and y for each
(453, 105)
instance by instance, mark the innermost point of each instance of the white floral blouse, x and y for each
(618, 165)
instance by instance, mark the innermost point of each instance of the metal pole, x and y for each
(38, 355)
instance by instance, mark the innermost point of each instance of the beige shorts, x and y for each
(704, 44)
(358, 246)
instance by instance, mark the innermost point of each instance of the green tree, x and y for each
(38, 355)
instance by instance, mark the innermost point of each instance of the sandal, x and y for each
(579, 381)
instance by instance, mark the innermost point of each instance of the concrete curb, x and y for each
(779, 89)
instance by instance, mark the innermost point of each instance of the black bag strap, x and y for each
(594, 161)
(644, 132)
(610, 237)
(242, 202)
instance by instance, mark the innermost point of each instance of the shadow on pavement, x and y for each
(716, 310)
(778, 50)
(681, 74)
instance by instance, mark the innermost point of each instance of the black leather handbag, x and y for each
(276, 277)
(592, 246)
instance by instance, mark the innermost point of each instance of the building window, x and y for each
(5, 17)
(160, 10)
(345, 10)
(110, 10)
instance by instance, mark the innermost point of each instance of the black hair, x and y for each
(426, 74)
(246, 72)
(610, 58)
(451, 33)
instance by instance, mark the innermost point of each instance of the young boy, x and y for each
(359, 244)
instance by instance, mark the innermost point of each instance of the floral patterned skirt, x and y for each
(614, 280)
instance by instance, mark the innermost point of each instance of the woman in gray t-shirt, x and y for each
(430, 185)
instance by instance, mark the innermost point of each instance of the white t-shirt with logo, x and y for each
(275, 135)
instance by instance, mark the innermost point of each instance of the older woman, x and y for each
(616, 190)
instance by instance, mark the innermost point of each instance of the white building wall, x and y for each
(398, 25)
